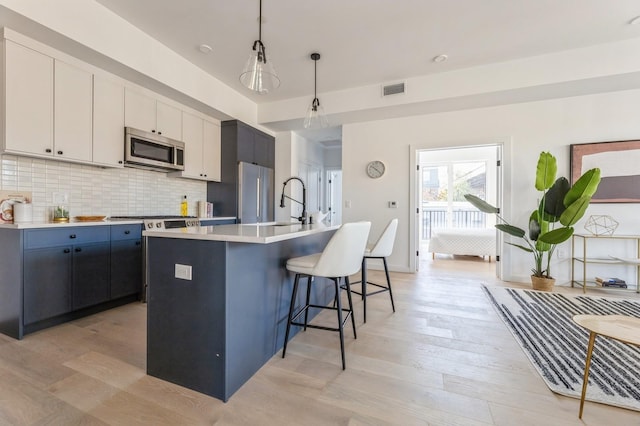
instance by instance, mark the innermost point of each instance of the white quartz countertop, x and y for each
(263, 233)
(35, 225)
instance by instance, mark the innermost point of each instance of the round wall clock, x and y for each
(375, 169)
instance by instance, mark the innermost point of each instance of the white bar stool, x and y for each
(379, 250)
(340, 258)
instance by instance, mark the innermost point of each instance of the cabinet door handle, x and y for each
(59, 152)
(48, 150)
(78, 250)
(66, 251)
(159, 132)
(127, 232)
(137, 243)
(153, 130)
(119, 161)
(72, 236)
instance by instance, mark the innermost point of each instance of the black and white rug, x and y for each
(541, 323)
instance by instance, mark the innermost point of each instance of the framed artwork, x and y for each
(619, 164)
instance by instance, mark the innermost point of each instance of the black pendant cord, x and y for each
(316, 102)
(258, 45)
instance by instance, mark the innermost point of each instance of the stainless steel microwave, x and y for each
(152, 151)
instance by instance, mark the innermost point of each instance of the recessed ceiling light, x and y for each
(205, 48)
(440, 58)
(635, 21)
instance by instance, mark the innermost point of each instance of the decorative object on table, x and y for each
(315, 118)
(259, 74)
(601, 225)
(61, 213)
(94, 218)
(541, 324)
(618, 162)
(7, 201)
(561, 206)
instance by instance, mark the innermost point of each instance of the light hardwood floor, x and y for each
(444, 358)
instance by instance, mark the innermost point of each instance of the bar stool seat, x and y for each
(381, 249)
(340, 258)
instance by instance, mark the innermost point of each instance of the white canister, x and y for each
(22, 212)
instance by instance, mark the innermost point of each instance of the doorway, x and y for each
(443, 177)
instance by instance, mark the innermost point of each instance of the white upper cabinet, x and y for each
(202, 149)
(28, 101)
(108, 122)
(211, 151)
(73, 112)
(146, 113)
(192, 128)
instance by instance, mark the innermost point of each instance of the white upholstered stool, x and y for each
(378, 250)
(340, 258)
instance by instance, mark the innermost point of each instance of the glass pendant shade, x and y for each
(258, 74)
(315, 118)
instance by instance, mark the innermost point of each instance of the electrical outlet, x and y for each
(347, 204)
(183, 272)
(393, 204)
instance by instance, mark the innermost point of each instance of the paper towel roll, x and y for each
(202, 209)
(22, 212)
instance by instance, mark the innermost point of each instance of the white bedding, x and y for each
(470, 242)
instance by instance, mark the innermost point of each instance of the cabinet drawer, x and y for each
(39, 238)
(126, 232)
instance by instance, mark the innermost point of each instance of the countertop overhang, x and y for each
(263, 233)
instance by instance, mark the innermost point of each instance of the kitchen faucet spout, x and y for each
(303, 217)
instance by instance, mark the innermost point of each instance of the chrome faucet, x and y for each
(303, 217)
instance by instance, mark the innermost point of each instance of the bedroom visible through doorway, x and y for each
(449, 227)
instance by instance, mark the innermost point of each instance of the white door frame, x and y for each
(504, 179)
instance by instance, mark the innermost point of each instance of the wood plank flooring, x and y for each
(444, 358)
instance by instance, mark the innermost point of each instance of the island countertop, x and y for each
(263, 233)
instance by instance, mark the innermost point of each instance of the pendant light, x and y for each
(258, 74)
(315, 118)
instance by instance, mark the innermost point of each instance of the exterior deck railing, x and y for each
(437, 218)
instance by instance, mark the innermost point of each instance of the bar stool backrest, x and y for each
(384, 246)
(343, 254)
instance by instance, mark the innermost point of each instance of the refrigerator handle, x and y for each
(258, 200)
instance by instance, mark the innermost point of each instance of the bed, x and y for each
(467, 241)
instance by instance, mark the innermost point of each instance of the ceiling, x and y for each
(364, 42)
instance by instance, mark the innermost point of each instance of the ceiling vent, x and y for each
(393, 89)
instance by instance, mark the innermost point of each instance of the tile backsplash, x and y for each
(98, 191)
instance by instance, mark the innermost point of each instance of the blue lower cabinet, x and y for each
(126, 267)
(47, 283)
(90, 283)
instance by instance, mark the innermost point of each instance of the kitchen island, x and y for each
(218, 300)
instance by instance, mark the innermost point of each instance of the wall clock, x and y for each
(375, 169)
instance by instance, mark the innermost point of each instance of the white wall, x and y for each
(528, 129)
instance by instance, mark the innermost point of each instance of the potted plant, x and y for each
(551, 223)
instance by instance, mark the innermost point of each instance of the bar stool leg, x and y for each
(291, 306)
(340, 329)
(386, 271)
(364, 288)
(306, 311)
(587, 364)
(353, 319)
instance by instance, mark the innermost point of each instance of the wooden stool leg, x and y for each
(592, 339)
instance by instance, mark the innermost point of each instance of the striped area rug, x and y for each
(541, 323)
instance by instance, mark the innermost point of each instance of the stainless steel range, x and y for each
(155, 223)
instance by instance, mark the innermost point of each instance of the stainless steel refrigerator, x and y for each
(255, 193)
